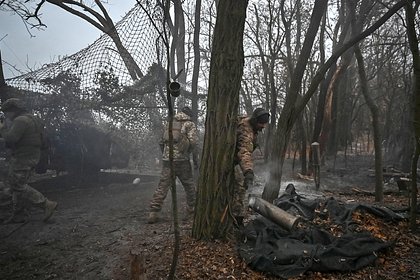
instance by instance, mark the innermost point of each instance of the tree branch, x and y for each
(333, 58)
(62, 4)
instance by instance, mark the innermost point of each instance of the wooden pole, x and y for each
(316, 163)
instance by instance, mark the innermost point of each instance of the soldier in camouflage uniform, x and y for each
(246, 143)
(23, 137)
(185, 139)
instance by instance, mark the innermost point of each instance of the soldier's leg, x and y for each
(239, 207)
(160, 193)
(17, 182)
(183, 171)
(22, 193)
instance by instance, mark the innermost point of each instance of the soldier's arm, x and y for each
(191, 131)
(162, 139)
(245, 149)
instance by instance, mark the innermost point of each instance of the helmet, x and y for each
(187, 110)
(12, 104)
(261, 115)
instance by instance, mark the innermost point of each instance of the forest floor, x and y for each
(100, 229)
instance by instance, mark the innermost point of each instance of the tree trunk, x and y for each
(289, 114)
(180, 42)
(377, 139)
(213, 219)
(414, 47)
(303, 145)
(2, 81)
(294, 105)
(196, 69)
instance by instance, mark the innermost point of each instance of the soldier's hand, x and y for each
(249, 179)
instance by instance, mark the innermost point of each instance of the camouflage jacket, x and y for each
(246, 143)
(24, 138)
(185, 147)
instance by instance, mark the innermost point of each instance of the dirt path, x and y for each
(88, 238)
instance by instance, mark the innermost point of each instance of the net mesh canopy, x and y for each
(138, 36)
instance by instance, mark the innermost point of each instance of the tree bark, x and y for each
(213, 219)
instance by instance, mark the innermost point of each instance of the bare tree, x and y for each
(288, 114)
(356, 28)
(295, 104)
(216, 182)
(414, 47)
(195, 74)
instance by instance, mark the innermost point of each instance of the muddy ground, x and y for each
(100, 226)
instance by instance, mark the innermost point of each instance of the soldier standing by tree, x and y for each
(185, 139)
(24, 138)
(246, 143)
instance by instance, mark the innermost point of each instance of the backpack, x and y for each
(181, 142)
(45, 142)
(176, 131)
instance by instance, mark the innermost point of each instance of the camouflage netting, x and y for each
(93, 87)
(138, 36)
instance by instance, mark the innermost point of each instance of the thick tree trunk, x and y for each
(213, 218)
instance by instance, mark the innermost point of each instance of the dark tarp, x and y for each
(269, 248)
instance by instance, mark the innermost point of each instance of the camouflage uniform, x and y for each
(246, 143)
(24, 139)
(182, 165)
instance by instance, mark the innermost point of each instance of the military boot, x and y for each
(49, 207)
(153, 217)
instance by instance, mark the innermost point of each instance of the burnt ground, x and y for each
(100, 226)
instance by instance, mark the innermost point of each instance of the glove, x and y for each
(249, 179)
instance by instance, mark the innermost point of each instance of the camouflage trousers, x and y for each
(183, 172)
(240, 203)
(17, 180)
